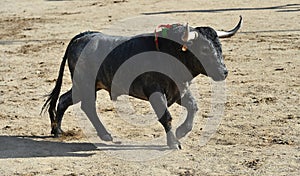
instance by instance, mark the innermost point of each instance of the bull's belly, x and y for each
(117, 90)
(136, 90)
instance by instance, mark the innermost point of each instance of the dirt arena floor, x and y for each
(258, 134)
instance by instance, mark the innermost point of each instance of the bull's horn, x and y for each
(187, 35)
(224, 34)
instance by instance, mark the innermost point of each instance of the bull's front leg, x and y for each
(189, 102)
(159, 103)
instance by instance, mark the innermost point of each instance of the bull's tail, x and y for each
(50, 103)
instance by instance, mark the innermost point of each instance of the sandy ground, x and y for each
(258, 134)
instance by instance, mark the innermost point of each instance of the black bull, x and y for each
(91, 70)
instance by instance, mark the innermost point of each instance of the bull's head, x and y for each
(204, 43)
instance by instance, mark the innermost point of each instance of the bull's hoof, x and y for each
(172, 141)
(56, 132)
(182, 131)
(106, 137)
(176, 146)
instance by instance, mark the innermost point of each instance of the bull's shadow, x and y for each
(40, 146)
(27, 146)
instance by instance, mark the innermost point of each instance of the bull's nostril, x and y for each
(225, 73)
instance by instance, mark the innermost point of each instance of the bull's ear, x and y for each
(189, 35)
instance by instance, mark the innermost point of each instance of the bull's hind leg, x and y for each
(159, 103)
(65, 101)
(88, 105)
(190, 104)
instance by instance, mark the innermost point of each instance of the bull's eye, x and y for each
(189, 43)
(205, 50)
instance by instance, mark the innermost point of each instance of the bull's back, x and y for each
(76, 47)
(121, 53)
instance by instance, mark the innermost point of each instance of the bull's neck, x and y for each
(186, 57)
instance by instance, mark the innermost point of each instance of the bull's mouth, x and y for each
(217, 79)
(220, 77)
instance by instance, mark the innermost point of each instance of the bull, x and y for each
(94, 59)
